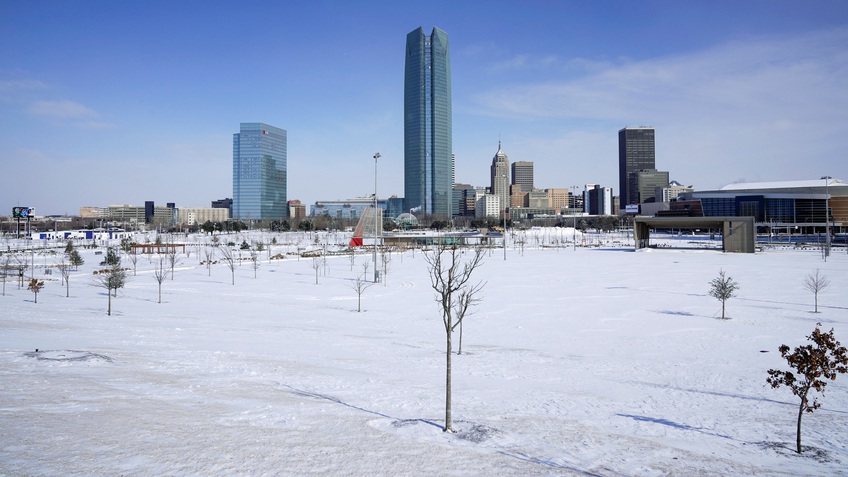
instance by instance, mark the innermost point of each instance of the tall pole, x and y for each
(376, 270)
(574, 228)
(826, 216)
(504, 217)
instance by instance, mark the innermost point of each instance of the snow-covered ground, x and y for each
(595, 361)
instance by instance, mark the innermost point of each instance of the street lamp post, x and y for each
(504, 217)
(826, 216)
(376, 224)
(574, 228)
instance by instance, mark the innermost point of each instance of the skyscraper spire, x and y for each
(500, 177)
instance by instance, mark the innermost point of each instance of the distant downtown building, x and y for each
(428, 154)
(259, 173)
(522, 175)
(635, 153)
(200, 215)
(647, 182)
(597, 200)
(499, 175)
(353, 208)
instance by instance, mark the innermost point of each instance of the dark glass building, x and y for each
(428, 159)
(522, 174)
(259, 173)
(635, 153)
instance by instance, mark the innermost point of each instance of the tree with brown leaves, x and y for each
(815, 364)
(35, 286)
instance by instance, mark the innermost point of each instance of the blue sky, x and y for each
(121, 102)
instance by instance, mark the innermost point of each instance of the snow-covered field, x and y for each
(589, 362)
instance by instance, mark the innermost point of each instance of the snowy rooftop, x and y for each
(805, 184)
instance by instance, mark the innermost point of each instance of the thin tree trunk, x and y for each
(722, 311)
(109, 308)
(798, 435)
(160, 292)
(67, 288)
(459, 351)
(448, 420)
(817, 301)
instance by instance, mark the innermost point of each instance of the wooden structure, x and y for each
(157, 248)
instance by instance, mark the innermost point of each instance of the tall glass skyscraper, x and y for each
(635, 153)
(259, 173)
(428, 159)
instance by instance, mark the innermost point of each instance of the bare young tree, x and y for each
(133, 256)
(450, 277)
(210, 255)
(386, 259)
(113, 279)
(816, 282)
(365, 266)
(229, 259)
(173, 257)
(22, 265)
(316, 264)
(160, 274)
(723, 288)
(815, 364)
(254, 262)
(7, 267)
(65, 270)
(352, 257)
(359, 285)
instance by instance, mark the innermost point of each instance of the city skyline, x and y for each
(104, 103)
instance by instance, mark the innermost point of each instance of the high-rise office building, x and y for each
(597, 200)
(259, 173)
(500, 178)
(647, 182)
(522, 174)
(635, 153)
(428, 155)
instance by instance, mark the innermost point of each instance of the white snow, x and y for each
(594, 361)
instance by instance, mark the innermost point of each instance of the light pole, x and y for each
(376, 214)
(826, 216)
(574, 216)
(504, 217)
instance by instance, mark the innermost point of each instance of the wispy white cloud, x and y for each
(803, 75)
(7, 86)
(75, 114)
(759, 108)
(525, 62)
(94, 125)
(62, 109)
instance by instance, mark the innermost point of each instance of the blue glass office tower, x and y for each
(428, 160)
(259, 173)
